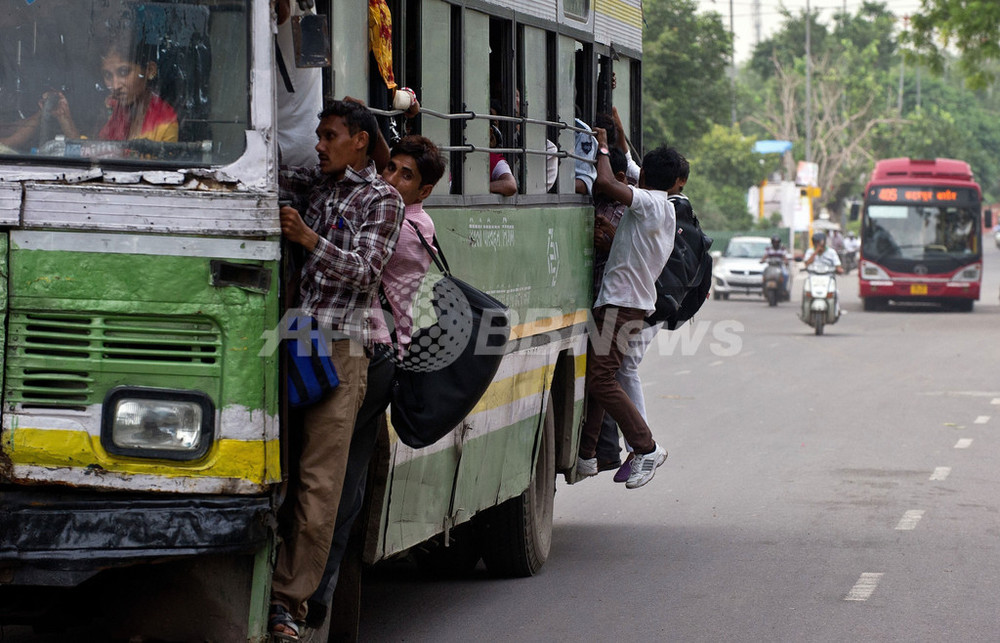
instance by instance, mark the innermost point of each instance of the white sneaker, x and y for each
(586, 468)
(644, 467)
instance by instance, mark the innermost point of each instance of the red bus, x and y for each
(921, 234)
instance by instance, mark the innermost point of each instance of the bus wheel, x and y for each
(517, 534)
(457, 560)
(872, 303)
(965, 305)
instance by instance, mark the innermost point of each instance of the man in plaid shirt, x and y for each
(347, 230)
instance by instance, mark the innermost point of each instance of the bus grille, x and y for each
(69, 361)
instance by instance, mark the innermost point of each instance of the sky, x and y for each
(771, 18)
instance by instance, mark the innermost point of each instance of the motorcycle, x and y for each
(774, 282)
(849, 260)
(820, 300)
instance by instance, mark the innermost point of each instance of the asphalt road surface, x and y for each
(835, 488)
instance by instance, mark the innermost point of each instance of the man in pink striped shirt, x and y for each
(414, 167)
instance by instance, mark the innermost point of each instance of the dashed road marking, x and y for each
(718, 363)
(982, 419)
(865, 587)
(910, 519)
(964, 443)
(995, 400)
(940, 473)
(682, 373)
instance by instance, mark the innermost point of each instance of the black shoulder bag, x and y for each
(448, 365)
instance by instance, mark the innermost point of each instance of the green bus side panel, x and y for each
(4, 273)
(533, 259)
(537, 260)
(418, 500)
(496, 467)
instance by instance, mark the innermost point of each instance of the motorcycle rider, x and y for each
(851, 243)
(820, 252)
(778, 251)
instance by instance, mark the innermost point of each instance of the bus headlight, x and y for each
(969, 273)
(157, 423)
(871, 270)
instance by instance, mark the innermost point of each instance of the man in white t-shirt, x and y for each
(642, 244)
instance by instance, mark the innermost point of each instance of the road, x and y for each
(835, 488)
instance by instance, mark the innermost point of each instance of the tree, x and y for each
(849, 99)
(685, 86)
(971, 26)
(723, 167)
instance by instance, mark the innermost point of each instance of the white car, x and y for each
(996, 235)
(738, 269)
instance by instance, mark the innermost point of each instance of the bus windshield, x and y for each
(920, 232)
(123, 82)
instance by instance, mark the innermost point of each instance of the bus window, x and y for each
(504, 134)
(124, 81)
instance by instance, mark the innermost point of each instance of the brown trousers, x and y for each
(605, 352)
(326, 439)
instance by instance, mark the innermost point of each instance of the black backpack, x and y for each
(685, 280)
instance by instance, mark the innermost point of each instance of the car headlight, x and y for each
(157, 423)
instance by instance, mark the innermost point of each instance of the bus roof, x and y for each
(906, 170)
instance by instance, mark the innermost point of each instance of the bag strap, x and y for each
(281, 67)
(438, 257)
(387, 308)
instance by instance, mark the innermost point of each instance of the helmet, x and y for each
(818, 238)
(776, 241)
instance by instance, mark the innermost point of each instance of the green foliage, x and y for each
(971, 26)
(723, 167)
(858, 113)
(686, 88)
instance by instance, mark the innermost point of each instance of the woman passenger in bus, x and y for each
(136, 111)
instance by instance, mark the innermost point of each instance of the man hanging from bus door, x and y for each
(348, 226)
(642, 244)
(414, 168)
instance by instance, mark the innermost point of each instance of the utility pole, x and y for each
(808, 84)
(732, 66)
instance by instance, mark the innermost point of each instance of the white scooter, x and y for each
(820, 301)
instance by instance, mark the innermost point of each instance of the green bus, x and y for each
(144, 443)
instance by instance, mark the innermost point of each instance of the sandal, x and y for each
(281, 625)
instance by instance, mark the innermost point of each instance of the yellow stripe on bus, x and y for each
(548, 324)
(621, 11)
(254, 460)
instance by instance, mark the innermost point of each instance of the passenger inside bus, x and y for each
(502, 179)
(136, 111)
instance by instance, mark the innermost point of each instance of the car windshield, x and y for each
(746, 248)
(920, 232)
(120, 81)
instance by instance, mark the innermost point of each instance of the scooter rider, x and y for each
(778, 251)
(820, 252)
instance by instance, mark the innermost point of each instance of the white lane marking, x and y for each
(964, 443)
(910, 519)
(995, 400)
(682, 373)
(718, 363)
(865, 587)
(982, 419)
(940, 473)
